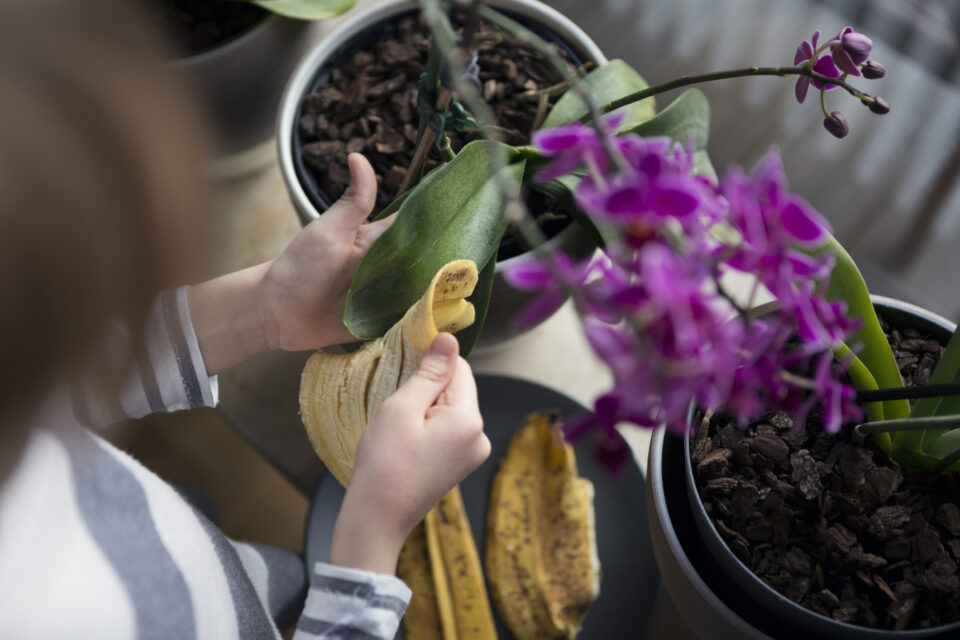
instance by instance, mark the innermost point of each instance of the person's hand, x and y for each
(425, 439)
(305, 288)
(296, 300)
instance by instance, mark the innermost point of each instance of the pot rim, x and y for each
(306, 70)
(763, 594)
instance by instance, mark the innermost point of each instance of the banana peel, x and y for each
(541, 553)
(340, 393)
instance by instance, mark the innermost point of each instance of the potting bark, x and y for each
(834, 525)
(369, 105)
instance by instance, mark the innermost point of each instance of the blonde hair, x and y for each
(100, 185)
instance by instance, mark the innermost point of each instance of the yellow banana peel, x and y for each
(340, 393)
(541, 554)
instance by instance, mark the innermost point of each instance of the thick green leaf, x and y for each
(457, 215)
(847, 284)
(686, 118)
(947, 370)
(306, 9)
(395, 205)
(613, 80)
(941, 442)
(481, 303)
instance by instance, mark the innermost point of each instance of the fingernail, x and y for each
(442, 347)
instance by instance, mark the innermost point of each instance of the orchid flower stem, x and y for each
(515, 210)
(446, 150)
(686, 81)
(909, 424)
(823, 101)
(438, 48)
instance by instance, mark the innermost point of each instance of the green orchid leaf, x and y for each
(481, 304)
(947, 370)
(864, 381)
(847, 284)
(945, 443)
(458, 214)
(686, 118)
(613, 80)
(396, 204)
(306, 9)
(940, 442)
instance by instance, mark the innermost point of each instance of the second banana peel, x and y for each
(541, 557)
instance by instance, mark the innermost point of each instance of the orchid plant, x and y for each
(654, 303)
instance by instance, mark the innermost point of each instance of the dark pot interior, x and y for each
(364, 40)
(757, 601)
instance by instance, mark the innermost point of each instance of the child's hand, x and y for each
(296, 300)
(305, 288)
(425, 439)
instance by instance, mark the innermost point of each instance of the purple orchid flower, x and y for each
(653, 308)
(824, 65)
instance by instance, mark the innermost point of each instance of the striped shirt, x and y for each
(94, 545)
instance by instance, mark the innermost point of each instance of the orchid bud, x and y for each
(850, 49)
(873, 70)
(836, 124)
(879, 106)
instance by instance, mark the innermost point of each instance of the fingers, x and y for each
(462, 390)
(433, 375)
(370, 232)
(355, 205)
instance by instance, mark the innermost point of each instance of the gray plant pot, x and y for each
(239, 84)
(336, 47)
(711, 587)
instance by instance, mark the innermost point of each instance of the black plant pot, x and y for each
(714, 567)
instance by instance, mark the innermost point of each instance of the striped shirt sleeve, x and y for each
(349, 603)
(168, 372)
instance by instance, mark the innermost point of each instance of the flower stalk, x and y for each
(781, 72)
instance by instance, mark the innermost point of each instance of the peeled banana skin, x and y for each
(448, 579)
(422, 620)
(341, 393)
(541, 559)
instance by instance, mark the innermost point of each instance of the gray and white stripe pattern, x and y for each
(346, 603)
(92, 544)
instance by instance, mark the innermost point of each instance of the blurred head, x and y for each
(99, 186)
